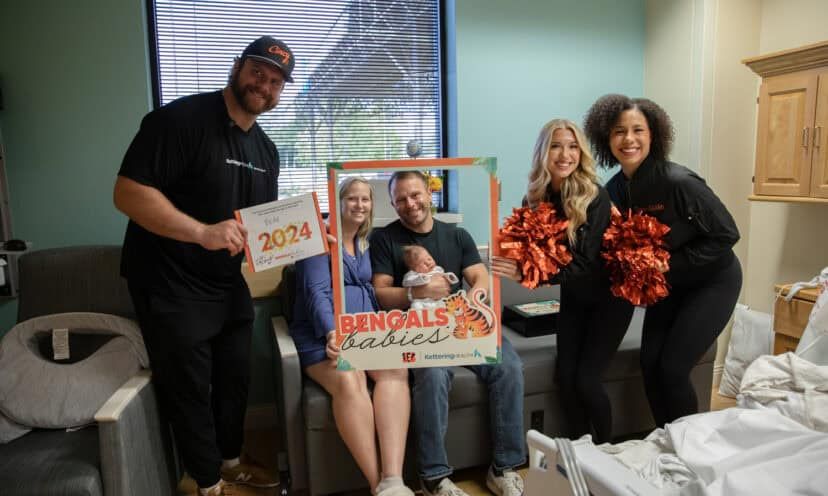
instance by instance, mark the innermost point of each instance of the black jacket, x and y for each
(702, 231)
(584, 275)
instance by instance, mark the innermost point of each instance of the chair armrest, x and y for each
(289, 401)
(136, 451)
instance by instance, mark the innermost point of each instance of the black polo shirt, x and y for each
(193, 153)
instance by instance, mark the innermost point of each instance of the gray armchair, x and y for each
(130, 452)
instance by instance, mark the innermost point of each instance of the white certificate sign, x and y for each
(283, 231)
(461, 330)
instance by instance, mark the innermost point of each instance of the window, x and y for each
(367, 75)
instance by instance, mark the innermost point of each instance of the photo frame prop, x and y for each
(462, 329)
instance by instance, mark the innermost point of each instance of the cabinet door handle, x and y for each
(817, 136)
(805, 137)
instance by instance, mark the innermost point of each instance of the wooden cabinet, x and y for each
(791, 317)
(819, 162)
(792, 128)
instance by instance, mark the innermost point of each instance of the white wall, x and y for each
(792, 23)
(672, 72)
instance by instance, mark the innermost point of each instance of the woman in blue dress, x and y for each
(360, 419)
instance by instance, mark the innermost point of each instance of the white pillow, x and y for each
(750, 338)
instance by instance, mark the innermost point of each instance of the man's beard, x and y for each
(241, 96)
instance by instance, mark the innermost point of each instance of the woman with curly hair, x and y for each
(703, 273)
(592, 322)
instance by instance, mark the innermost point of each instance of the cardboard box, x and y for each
(533, 319)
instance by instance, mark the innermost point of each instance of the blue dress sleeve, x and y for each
(313, 278)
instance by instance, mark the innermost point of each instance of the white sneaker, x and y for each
(396, 491)
(509, 484)
(445, 488)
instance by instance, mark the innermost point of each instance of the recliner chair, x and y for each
(129, 452)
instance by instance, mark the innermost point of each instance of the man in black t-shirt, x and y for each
(192, 163)
(453, 249)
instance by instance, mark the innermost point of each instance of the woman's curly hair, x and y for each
(603, 115)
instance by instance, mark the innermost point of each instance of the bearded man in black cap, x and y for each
(193, 162)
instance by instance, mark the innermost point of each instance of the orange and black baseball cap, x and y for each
(272, 51)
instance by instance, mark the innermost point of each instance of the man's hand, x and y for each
(331, 348)
(229, 234)
(437, 288)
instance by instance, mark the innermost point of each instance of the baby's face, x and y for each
(423, 262)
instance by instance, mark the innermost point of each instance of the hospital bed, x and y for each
(603, 474)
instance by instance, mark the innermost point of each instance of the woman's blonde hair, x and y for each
(577, 190)
(364, 229)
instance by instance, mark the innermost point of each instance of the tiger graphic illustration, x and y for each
(476, 317)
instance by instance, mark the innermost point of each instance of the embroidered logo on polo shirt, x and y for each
(248, 165)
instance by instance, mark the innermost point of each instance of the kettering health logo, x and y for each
(451, 356)
(248, 165)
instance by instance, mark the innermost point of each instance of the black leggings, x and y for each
(677, 332)
(588, 337)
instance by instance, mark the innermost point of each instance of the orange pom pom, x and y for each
(634, 251)
(535, 238)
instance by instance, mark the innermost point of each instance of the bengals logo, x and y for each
(279, 52)
(409, 357)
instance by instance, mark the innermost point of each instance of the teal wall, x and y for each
(520, 64)
(75, 86)
(75, 83)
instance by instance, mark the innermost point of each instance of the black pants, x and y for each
(200, 357)
(588, 336)
(677, 332)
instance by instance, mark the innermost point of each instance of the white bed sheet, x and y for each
(731, 452)
(750, 452)
(790, 385)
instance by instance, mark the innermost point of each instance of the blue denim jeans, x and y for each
(430, 409)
